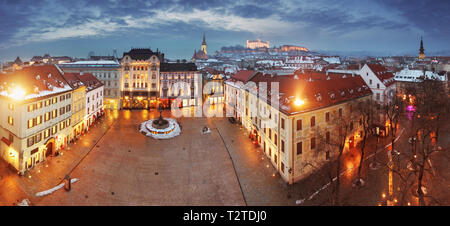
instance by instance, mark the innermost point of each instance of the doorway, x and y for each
(49, 151)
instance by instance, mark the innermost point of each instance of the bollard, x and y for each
(67, 183)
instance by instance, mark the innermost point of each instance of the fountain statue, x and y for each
(161, 128)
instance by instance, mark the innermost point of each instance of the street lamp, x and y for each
(299, 102)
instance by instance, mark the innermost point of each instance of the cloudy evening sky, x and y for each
(74, 28)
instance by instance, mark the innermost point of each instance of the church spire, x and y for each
(204, 44)
(421, 50)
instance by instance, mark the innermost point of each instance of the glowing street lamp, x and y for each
(299, 102)
(18, 93)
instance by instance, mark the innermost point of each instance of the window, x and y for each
(378, 85)
(39, 105)
(276, 139)
(282, 167)
(46, 133)
(282, 146)
(299, 124)
(55, 113)
(62, 97)
(62, 111)
(340, 112)
(299, 148)
(55, 100)
(47, 116)
(11, 107)
(10, 120)
(351, 125)
(327, 137)
(378, 96)
(30, 123)
(30, 107)
(327, 116)
(54, 129)
(282, 123)
(38, 138)
(270, 133)
(47, 102)
(313, 121)
(39, 120)
(68, 96)
(313, 143)
(370, 81)
(68, 108)
(327, 155)
(30, 141)
(270, 152)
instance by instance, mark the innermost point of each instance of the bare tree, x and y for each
(431, 109)
(332, 139)
(365, 110)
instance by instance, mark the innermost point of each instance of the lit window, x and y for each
(10, 120)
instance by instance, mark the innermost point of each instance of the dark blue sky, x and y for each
(74, 28)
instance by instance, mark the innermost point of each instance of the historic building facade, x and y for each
(36, 120)
(139, 87)
(78, 104)
(288, 133)
(181, 84)
(380, 81)
(107, 71)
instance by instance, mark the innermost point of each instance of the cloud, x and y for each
(317, 21)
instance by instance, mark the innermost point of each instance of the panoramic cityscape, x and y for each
(205, 103)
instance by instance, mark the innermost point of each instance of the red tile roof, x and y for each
(243, 75)
(90, 81)
(315, 94)
(33, 79)
(382, 73)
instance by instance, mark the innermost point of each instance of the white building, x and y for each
(380, 81)
(287, 133)
(94, 97)
(35, 121)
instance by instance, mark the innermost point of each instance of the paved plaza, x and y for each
(118, 165)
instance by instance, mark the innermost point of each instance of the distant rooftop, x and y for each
(91, 63)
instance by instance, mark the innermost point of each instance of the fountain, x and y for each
(161, 128)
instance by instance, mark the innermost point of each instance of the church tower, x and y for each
(421, 50)
(204, 44)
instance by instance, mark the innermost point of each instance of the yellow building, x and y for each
(289, 133)
(36, 120)
(78, 103)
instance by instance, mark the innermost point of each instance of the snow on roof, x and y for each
(332, 60)
(92, 62)
(407, 75)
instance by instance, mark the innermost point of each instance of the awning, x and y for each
(6, 141)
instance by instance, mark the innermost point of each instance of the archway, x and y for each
(50, 145)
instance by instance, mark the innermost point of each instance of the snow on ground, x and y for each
(173, 127)
(49, 191)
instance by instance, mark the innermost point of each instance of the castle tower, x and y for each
(421, 50)
(204, 44)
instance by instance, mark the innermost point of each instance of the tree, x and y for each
(332, 139)
(413, 168)
(431, 110)
(365, 110)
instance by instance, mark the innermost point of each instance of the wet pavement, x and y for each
(117, 165)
